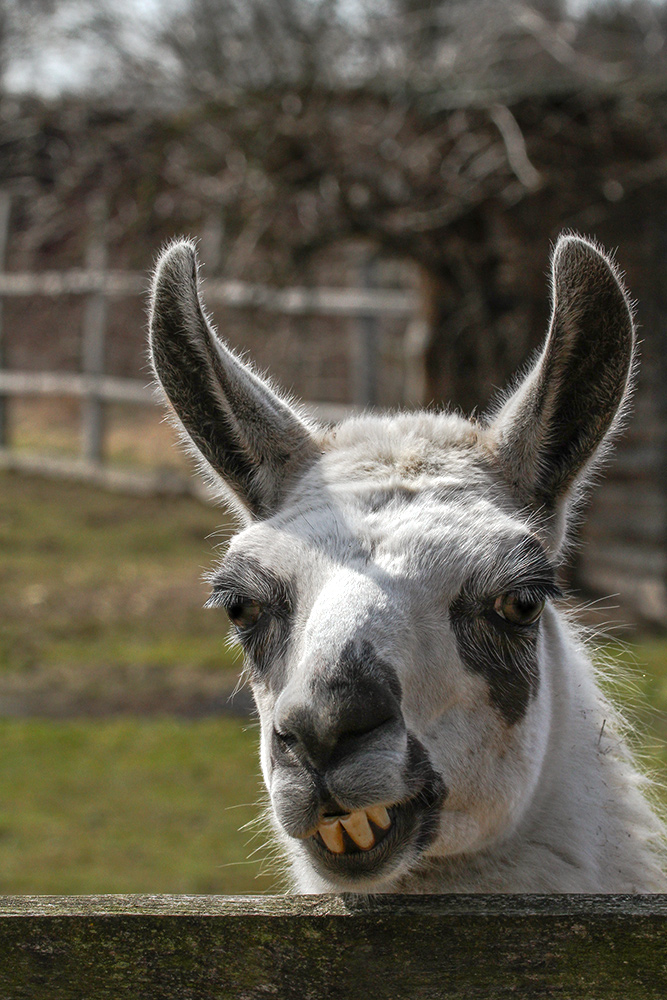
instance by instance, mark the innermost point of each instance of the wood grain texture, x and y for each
(309, 947)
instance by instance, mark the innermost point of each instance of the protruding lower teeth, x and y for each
(331, 833)
(356, 825)
(379, 816)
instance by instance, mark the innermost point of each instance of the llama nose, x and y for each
(337, 720)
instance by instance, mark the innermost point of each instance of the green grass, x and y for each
(637, 676)
(650, 669)
(101, 593)
(94, 582)
(130, 806)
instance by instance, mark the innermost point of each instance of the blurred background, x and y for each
(375, 186)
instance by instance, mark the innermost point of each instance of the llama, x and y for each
(430, 720)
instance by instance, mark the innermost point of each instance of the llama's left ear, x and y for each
(550, 430)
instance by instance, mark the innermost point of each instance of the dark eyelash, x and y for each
(264, 638)
(225, 599)
(534, 590)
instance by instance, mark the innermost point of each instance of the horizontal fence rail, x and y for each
(99, 284)
(241, 295)
(104, 387)
(122, 390)
(342, 947)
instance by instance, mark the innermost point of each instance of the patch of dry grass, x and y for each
(136, 436)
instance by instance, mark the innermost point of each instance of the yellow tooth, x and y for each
(356, 824)
(379, 816)
(332, 835)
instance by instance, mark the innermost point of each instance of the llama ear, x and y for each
(550, 430)
(246, 433)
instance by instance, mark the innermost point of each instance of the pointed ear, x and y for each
(549, 432)
(249, 436)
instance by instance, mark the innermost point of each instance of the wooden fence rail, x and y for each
(99, 285)
(322, 301)
(342, 947)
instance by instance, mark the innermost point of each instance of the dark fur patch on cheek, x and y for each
(420, 777)
(504, 655)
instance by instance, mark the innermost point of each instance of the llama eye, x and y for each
(244, 612)
(518, 607)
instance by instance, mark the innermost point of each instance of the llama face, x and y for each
(393, 587)
(390, 618)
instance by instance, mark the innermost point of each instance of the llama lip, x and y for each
(410, 823)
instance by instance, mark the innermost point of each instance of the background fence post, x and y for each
(5, 209)
(415, 343)
(366, 354)
(212, 239)
(94, 331)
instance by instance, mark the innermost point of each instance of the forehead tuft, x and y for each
(404, 452)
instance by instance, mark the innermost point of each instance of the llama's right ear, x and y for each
(550, 430)
(247, 434)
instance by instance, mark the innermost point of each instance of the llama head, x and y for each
(392, 586)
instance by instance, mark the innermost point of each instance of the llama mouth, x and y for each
(362, 842)
(364, 829)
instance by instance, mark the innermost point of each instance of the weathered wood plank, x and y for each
(237, 294)
(75, 281)
(135, 482)
(314, 947)
(364, 356)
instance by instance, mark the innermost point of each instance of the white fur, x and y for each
(552, 805)
(386, 544)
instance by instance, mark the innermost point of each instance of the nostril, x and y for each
(287, 740)
(336, 720)
(286, 748)
(365, 727)
(356, 736)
